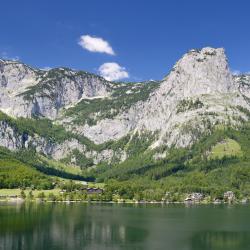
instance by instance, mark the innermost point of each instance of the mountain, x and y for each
(84, 122)
(199, 93)
(31, 92)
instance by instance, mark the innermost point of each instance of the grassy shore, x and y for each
(17, 191)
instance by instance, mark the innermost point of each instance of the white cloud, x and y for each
(112, 71)
(95, 44)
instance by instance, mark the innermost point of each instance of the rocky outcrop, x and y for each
(198, 93)
(9, 138)
(243, 82)
(30, 92)
(13, 140)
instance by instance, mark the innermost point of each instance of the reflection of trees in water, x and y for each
(65, 226)
(86, 226)
(221, 240)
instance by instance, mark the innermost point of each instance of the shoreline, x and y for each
(60, 196)
(37, 201)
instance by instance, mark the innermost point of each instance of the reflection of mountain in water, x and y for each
(64, 227)
(220, 240)
(80, 226)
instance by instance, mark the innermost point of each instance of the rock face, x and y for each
(30, 92)
(9, 138)
(14, 140)
(200, 72)
(195, 94)
(243, 82)
(198, 93)
(195, 77)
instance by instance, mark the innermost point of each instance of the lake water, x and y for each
(113, 226)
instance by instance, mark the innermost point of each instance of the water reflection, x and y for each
(221, 240)
(86, 226)
(61, 226)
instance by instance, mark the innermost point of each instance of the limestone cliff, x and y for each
(198, 93)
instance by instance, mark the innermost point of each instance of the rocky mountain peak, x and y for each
(200, 72)
(15, 75)
(26, 91)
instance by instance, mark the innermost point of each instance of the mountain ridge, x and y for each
(198, 94)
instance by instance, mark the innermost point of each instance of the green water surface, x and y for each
(113, 226)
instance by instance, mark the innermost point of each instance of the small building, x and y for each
(229, 196)
(94, 190)
(194, 197)
(217, 201)
(188, 199)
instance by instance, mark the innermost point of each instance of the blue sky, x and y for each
(143, 38)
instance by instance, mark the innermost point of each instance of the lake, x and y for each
(113, 226)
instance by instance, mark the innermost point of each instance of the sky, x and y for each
(131, 40)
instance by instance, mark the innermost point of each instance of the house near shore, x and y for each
(194, 197)
(93, 190)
